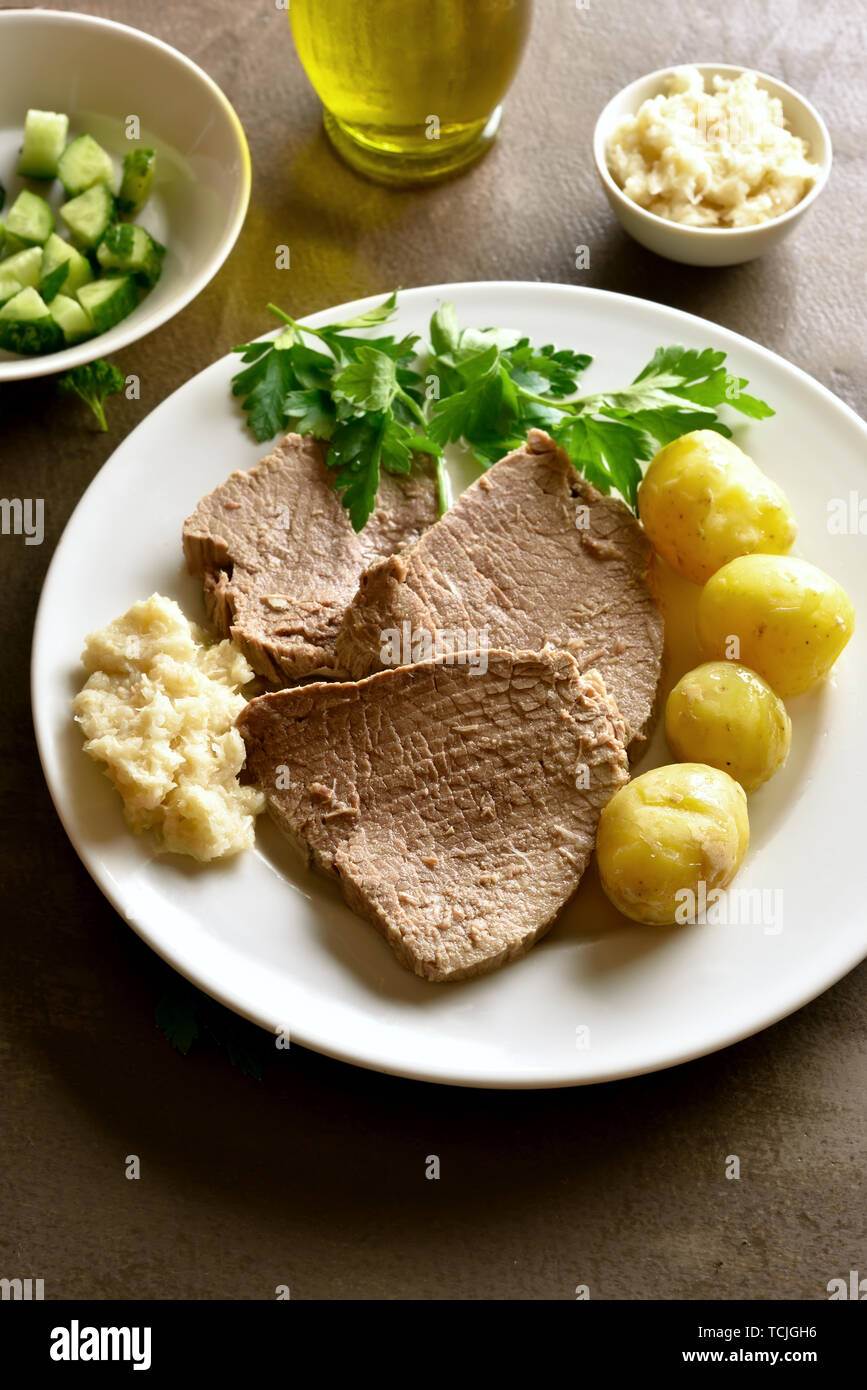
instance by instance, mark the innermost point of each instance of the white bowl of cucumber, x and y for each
(126, 176)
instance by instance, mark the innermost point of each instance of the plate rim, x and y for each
(202, 978)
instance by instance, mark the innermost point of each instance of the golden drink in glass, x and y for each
(411, 88)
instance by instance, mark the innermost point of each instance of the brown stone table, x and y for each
(314, 1175)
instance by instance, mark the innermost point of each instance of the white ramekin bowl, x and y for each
(709, 245)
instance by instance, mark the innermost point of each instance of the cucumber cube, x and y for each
(59, 256)
(30, 219)
(52, 283)
(83, 164)
(44, 137)
(137, 181)
(89, 216)
(9, 286)
(25, 266)
(26, 326)
(108, 301)
(132, 251)
(72, 318)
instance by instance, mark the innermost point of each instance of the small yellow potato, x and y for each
(703, 501)
(780, 616)
(726, 715)
(667, 832)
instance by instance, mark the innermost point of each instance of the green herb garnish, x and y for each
(94, 383)
(186, 1017)
(366, 397)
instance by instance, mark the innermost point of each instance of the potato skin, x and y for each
(791, 619)
(727, 716)
(667, 831)
(703, 501)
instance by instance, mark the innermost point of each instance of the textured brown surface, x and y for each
(315, 1176)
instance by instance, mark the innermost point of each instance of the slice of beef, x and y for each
(457, 806)
(536, 556)
(280, 560)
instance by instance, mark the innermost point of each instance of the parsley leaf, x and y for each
(263, 388)
(370, 382)
(175, 1014)
(310, 412)
(677, 391)
(365, 396)
(187, 1016)
(700, 377)
(444, 335)
(475, 408)
(355, 453)
(540, 369)
(93, 383)
(747, 405)
(330, 393)
(606, 451)
(380, 313)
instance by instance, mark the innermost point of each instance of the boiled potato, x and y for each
(703, 501)
(666, 832)
(726, 715)
(790, 620)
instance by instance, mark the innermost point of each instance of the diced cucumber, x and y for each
(133, 251)
(89, 216)
(72, 318)
(109, 300)
(9, 286)
(30, 219)
(24, 265)
(44, 137)
(57, 256)
(83, 164)
(26, 326)
(137, 181)
(52, 283)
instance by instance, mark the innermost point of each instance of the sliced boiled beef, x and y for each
(458, 806)
(280, 560)
(533, 556)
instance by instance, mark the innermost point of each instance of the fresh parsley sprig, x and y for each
(364, 395)
(498, 389)
(93, 383)
(361, 395)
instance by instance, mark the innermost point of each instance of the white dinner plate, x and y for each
(600, 997)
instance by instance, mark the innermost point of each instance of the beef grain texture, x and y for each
(537, 556)
(280, 560)
(458, 808)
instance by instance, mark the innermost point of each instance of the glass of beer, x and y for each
(412, 89)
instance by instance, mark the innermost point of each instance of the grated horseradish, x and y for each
(723, 157)
(159, 709)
